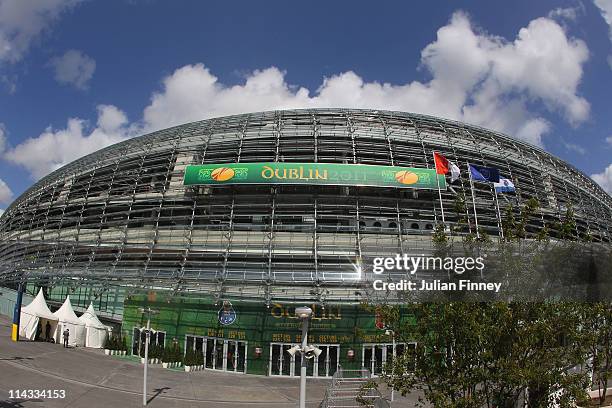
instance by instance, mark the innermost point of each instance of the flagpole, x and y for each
(439, 192)
(499, 221)
(473, 200)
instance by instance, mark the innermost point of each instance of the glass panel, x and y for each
(286, 359)
(143, 339)
(199, 344)
(189, 345)
(322, 372)
(399, 349)
(241, 356)
(219, 354)
(135, 342)
(161, 338)
(367, 357)
(309, 366)
(333, 359)
(297, 364)
(389, 355)
(378, 356)
(210, 349)
(276, 350)
(231, 355)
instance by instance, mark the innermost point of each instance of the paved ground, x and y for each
(91, 380)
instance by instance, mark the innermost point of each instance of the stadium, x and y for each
(227, 224)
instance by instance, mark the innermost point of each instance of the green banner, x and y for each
(312, 173)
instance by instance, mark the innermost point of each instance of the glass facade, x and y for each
(122, 217)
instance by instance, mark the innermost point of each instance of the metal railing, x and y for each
(347, 385)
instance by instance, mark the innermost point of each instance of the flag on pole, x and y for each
(441, 165)
(481, 173)
(455, 172)
(504, 186)
(444, 166)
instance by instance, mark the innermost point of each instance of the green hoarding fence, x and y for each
(313, 174)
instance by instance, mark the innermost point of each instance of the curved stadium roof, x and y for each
(123, 216)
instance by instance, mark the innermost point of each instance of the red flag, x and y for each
(441, 163)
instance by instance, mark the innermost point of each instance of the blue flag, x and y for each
(480, 173)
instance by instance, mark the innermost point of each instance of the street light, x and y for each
(149, 312)
(392, 334)
(303, 313)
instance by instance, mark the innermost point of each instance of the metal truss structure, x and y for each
(122, 216)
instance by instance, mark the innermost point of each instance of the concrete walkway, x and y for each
(91, 380)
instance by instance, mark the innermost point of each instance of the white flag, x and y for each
(454, 170)
(504, 186)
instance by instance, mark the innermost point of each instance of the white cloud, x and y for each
(22, 21)
(609, 140)
(1, 212)
(605, 6)
(2, 137)
(6, 195)
(475, 77)
(604, 179)
(73, 68)
(55, 148)
(569, 13)
(575, 148)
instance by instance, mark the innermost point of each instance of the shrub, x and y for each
(115, 342)
(171, 354)
(190, 358)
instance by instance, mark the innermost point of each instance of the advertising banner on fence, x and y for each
(313, 174)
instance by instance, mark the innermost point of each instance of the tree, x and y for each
(596, 330)
(488, 354)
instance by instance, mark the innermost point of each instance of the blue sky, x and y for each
(76, 75)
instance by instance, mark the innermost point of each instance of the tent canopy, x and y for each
(34, 316)
(89, 318)
(96, 331)
(38, 307)
(66, 313)
(69, 320)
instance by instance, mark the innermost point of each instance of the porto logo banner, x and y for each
(313, 173)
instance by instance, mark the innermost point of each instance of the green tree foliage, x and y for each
(488, 354)
(596, 330)
(567, 225)
(115, 342)
(516, 228)
(172, 354)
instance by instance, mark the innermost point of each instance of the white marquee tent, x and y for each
(95, 331)
(35, 317)
(69, 320)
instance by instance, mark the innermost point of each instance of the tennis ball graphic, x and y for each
(222, 174)
(406, 177)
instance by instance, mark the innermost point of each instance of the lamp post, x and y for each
(392, 334)
(304, 314)
(149, 312)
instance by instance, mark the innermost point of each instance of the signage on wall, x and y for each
(227, 314)
(312, 174)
